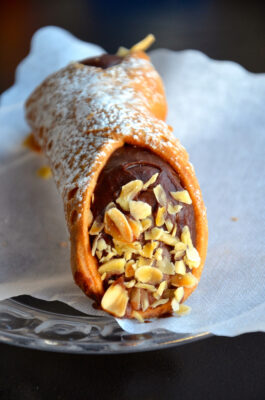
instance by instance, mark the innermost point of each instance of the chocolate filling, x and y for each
(129, 163)
(105, 61)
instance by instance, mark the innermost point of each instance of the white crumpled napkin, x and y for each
(217, 111)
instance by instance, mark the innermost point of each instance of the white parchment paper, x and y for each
(217, 111)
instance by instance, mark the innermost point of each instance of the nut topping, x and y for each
(136, 227)
(141, 249)
(148, 274)
(103, 276)
(101, 245)
(172, 210)
(185, 236)
(180, 267)
(122, 247)
(94, 247)
(179, 293)
(140, 209)
(161, 288)
(166, 267)
(169, 225)
(150, 288)
(168, 239)
(135, 297)
(108, 257)
(116, 225)
(183, 310)
(160, 195)
(192, 258)
(148, 249)
(159, 302)
(188, 280)
(128, 192)
(142, 261)
(115, 300)
(129, 284)
(137, 316)
(146, 224)
(160, 216)
(144, 301)
(182, 196)
(129, 270)
(115, 266)
(174, 304)
(158, 254)
(151, 181)
(96, 228)
(154, 234)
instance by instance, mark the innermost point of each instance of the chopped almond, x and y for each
(174, 304)
(150, 181)
(179, 293)
(180, 267)
(103, 276)
(140, 209)
(159, 302)
(166, 267)
(188, 280)
(115, 266)
(135, 297)
(160, 216)
(129, 270)
(137, 316)
(160, 195)
(142, 261)
(122, 247)
(161, 288)
(158, 254)
(102, 245)
(192, 258)
(136, 227)
(99, 254)
(182, 196)
(44, 172)
(94, 246)
(146, 224)
(128, 192)
(172, 210)
(115, 300)
(186, 237)
(183, 310)
(148, 274)
(169, 225)
(168, 239)
(108, 257)
(129, 284)
(146, 286)
(148, 249)
(96, 228)
(116, 225)
(154, 234)
(144, 301)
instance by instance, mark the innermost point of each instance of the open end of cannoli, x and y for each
(109, 60)
(143, 234)
(104, 61)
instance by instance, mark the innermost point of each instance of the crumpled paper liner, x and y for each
(217, 111)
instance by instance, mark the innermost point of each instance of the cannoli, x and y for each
(133, 205)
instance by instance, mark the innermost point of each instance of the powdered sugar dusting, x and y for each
(80, 110)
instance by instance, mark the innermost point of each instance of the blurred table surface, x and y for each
(215, 368)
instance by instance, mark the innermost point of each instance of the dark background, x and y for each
(223, 29)
(215, 368)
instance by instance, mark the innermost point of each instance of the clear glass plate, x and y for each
(53, 326)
